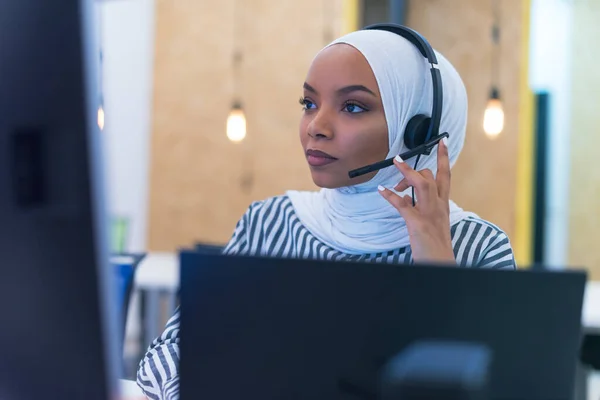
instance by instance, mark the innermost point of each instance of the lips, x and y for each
(318, 158)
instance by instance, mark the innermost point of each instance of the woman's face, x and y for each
(343, 124)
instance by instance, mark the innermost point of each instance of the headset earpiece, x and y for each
(415, 133)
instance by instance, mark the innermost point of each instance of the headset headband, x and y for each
(426, 51)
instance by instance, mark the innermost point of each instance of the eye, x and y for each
(354, 108)
(307, 104)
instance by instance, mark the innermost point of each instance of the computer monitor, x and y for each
(271, 328)
(59, 324)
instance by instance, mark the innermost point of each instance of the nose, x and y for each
(320, 126)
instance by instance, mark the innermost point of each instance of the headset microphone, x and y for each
(425, 148)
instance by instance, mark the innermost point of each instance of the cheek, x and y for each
(379, 139)
(368, 143)
(303, 129)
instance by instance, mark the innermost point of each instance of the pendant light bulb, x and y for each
(236, 123)
(101, 117)
(493, 118)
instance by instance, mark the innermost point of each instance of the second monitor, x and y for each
(272, 328)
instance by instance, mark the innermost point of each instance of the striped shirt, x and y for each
(271, 228)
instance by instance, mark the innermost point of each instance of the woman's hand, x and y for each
(428, 222)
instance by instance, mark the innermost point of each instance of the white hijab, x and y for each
(357, 219)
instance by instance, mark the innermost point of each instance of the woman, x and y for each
(359, 94)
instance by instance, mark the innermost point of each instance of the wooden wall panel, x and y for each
(197, 175)
(484, 178)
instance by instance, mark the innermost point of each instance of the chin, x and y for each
(327, 181)
(335, 181)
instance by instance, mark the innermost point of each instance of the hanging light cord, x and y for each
(237, 52)
(495, 43)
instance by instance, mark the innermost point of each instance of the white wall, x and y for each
(550, 54)
(127, 34)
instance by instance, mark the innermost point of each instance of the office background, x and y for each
(171, 70)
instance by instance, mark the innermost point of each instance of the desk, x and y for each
(588, 382)
(591, 308)
(157, 276)
(129, 390)
(159, 272)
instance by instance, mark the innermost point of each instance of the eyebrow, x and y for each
(356, 88)
(310, 88)
(344, 90)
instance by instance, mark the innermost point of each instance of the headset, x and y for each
(422, 132)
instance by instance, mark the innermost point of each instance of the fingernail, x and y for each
(399, 159)
(380, 188)
(445, 141)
